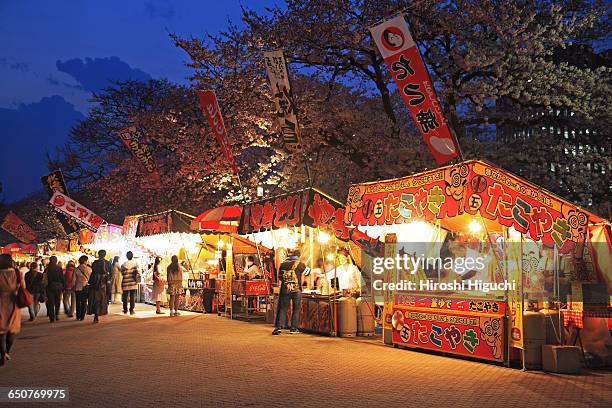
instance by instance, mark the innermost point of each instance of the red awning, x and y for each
(19, 247)
(220, 219)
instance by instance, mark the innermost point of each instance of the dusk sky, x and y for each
(53, 54)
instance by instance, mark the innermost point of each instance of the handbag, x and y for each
(24, 298)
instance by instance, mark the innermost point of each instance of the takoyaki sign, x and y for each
(477, 336)
(471, 187)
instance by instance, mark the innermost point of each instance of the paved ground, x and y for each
(204, 360)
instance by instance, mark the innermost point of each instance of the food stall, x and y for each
(20, 251)
(227, 252)
(166, 234)
(313, 222)
(527, 247)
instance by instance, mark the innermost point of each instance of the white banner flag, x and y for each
(283, 99)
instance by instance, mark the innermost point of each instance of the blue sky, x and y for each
(53, 54)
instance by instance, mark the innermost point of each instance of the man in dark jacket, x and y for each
(34, 285)
(98, 302)
(290, 276)
(55, 287)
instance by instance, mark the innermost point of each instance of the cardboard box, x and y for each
(561, 359)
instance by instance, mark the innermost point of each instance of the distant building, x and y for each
(581, 149)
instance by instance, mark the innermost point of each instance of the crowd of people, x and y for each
(81, 287)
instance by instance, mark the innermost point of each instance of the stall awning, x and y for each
(218, 220)
(18, 247)
(309, 207)
(163, 223)
(470, 191)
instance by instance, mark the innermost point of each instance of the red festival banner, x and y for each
(66, 205)
(19, 229)
(136, 144)
(404, 61)
(208, 101)
(472, 188)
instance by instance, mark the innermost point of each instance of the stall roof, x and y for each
(218, 220)
(474, 189)
(240, 245)
(19, 247)
(163, 223)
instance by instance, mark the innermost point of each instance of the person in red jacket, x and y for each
(69, 293)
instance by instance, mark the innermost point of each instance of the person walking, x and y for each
(290, 276)
(174, 273)
(82, 274)
(116, 281)
(54, 283)
(159, 289)
(130, 276)
(34, 285)
(97, 302)
(10, 315)
(69, 291)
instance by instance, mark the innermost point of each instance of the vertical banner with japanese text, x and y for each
(210, 105)
(17, 228)
(514, 266)
(55, 182)
(402, 57)
(138, 147)
(283, 99)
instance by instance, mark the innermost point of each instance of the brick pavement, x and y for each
(204, 360)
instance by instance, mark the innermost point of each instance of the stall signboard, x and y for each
(166, 222)
(73, 245)
(425, 302)
(130, 226)
(136, 144)
(66, 205)
(210, 105)
(305, 207)
(195, 283)
(474, 335)
(108, 234)
(18, 228)
(61, 246)
(286, 111)
(242, 287)
(403, 59)
(55, 182)
(473, 188)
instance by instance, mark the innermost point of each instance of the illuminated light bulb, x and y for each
(220, 244)
(474, 226)
(330, 257)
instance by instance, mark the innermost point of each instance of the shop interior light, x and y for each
(220, 244)
(323, 237)
(330, 257)
(475, 226)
